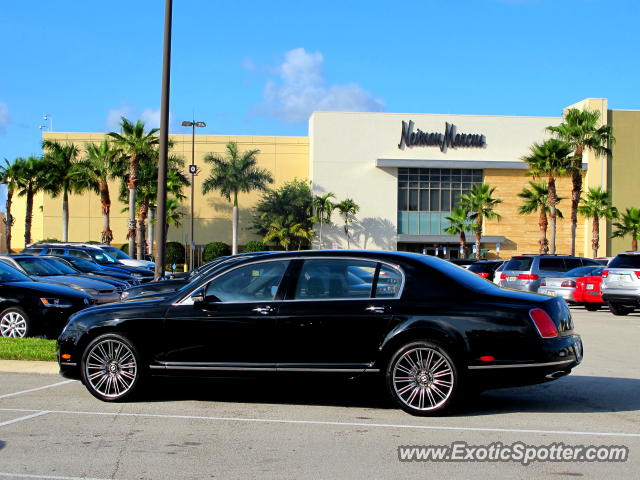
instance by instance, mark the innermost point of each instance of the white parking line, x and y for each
(26, 417)
(340, 424)
(7, 395)
(49, 477)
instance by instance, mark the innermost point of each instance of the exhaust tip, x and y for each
(558, 374)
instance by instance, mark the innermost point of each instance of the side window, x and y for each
(249, 283)
(56, 251)
(572, 263)
(335, 278)
(80, 254)
(552, 265)
(389, 282)
(590, 263)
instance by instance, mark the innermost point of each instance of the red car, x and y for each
(588, 291)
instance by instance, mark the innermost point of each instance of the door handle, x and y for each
(263, 310)
(376, 309)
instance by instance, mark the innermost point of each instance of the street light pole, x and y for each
(193, 170)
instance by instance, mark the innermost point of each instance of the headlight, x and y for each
(55, 303)
(124, 295)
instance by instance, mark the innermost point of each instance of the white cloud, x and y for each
(4, 117)
(302, 88)
(112, 121)
(149, 116)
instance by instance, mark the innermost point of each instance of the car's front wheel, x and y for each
(422, 378)
(111, 368)
(592, 307)
(619, 310)
(14, 322)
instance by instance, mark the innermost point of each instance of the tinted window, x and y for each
(38, 266)
(519, 263)
(333, 278)
(552, 265)
(249, 283)
(389, 282)
(571, 263)
(62, 266)
(32, 251)
(482, 267)
(83, 265)
(579, 272)
(117, 253)
(56, 251)
(80, 254)
(625, 261)
(595, 263)
(10, 274)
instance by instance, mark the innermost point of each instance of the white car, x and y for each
(126, 259)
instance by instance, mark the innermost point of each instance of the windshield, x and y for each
(116, 253)
(10, 274)
(582, 271)
(41, 266)
(519, 264)
(82, 264)
(625, 261)
(102, 257)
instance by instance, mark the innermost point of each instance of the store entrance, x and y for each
(441, 250)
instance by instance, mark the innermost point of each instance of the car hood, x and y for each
(71, 281)
(50, 289)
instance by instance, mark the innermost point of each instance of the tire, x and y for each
(111, 368)
(14, 322)
(592, 307)
(423, 379)
(619, 310)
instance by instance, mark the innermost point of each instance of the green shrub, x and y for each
(49, 240)
(174, 253)
(214, 250)
(92, 242)
(125, 248)
(255, 246)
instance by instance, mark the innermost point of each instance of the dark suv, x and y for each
(525, 272)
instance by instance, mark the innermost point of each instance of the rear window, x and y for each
(519, 263)
(481, 267)
(625, 261)
(552, 265)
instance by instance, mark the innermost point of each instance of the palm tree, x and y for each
(550, 159)
(9, 173)
(61, 163)
(459, 224)
(286, 234)
(323, 207)
(580, 130)
(234, 173)
(597, 205)
(537, 200)
(629, 224)
(134, 142)
(479, 205)
(30, 181)
(348, 209)
(101, 165)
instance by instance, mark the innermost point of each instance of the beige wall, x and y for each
(285, 157)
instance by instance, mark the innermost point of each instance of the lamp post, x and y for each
(193, 170)
(47, 117)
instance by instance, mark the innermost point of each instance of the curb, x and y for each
(29, 366)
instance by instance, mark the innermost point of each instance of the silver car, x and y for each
(526, 272)
(565, 284)
(621, 283)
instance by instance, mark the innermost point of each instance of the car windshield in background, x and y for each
(481, 267)
(102, 257)
(10, 274)
(61, 266)
(625, 261)
(519, 263)
(583, 272)
(40, 266)
(462, 276)
(82, 264)
(117, 253)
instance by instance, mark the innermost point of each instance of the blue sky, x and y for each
(260, 67)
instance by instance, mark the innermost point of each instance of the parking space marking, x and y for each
(47, 477)
(26, 417)
(7, 395)
(340, 424)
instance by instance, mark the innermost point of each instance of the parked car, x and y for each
(498, 272)
(98, 271)
(621, 283)
(431, 329)
(48, 270)
(485, 268)
(525, 272)
(565, 285)
(30, 308)
(91, 254)
(68, 269)
(588, 291)
(126, 259)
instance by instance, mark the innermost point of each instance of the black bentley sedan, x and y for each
(430, 328)
(31, 308)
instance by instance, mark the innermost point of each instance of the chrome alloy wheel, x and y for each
(423, 378)
(110, 368)
(13, 324)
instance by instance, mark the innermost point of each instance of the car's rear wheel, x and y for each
(112, 368)
(619, 310)
(422, 378)
(14, 322)
(592, 307)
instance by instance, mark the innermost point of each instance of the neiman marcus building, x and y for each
(405, 171)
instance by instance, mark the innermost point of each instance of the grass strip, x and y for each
(27, 349)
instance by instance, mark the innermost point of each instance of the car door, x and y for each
(335, 314)
(231, 324)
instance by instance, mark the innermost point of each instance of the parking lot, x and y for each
(52, 428)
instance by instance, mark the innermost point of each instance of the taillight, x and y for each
(605, 273)
(484, 274)
(544, 324)
(543, 283)
(637, 272)
(503, 276)
(528, 276)
(568, 283)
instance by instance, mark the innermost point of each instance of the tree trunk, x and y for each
(321, 244)
(105, 200)
(133, 179)
(634, 244)
(28, 216)
(576, 191)
(552, 214)
(463, 244)
(234, 225)
(150, 228)
(65, 214)
(478, 237)
(8, 218)
(141, 233)
(346, 232)
(595, 236)
(542, 223)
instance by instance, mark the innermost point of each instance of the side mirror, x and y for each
(198, 296)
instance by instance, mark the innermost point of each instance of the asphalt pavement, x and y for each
(52, 428)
